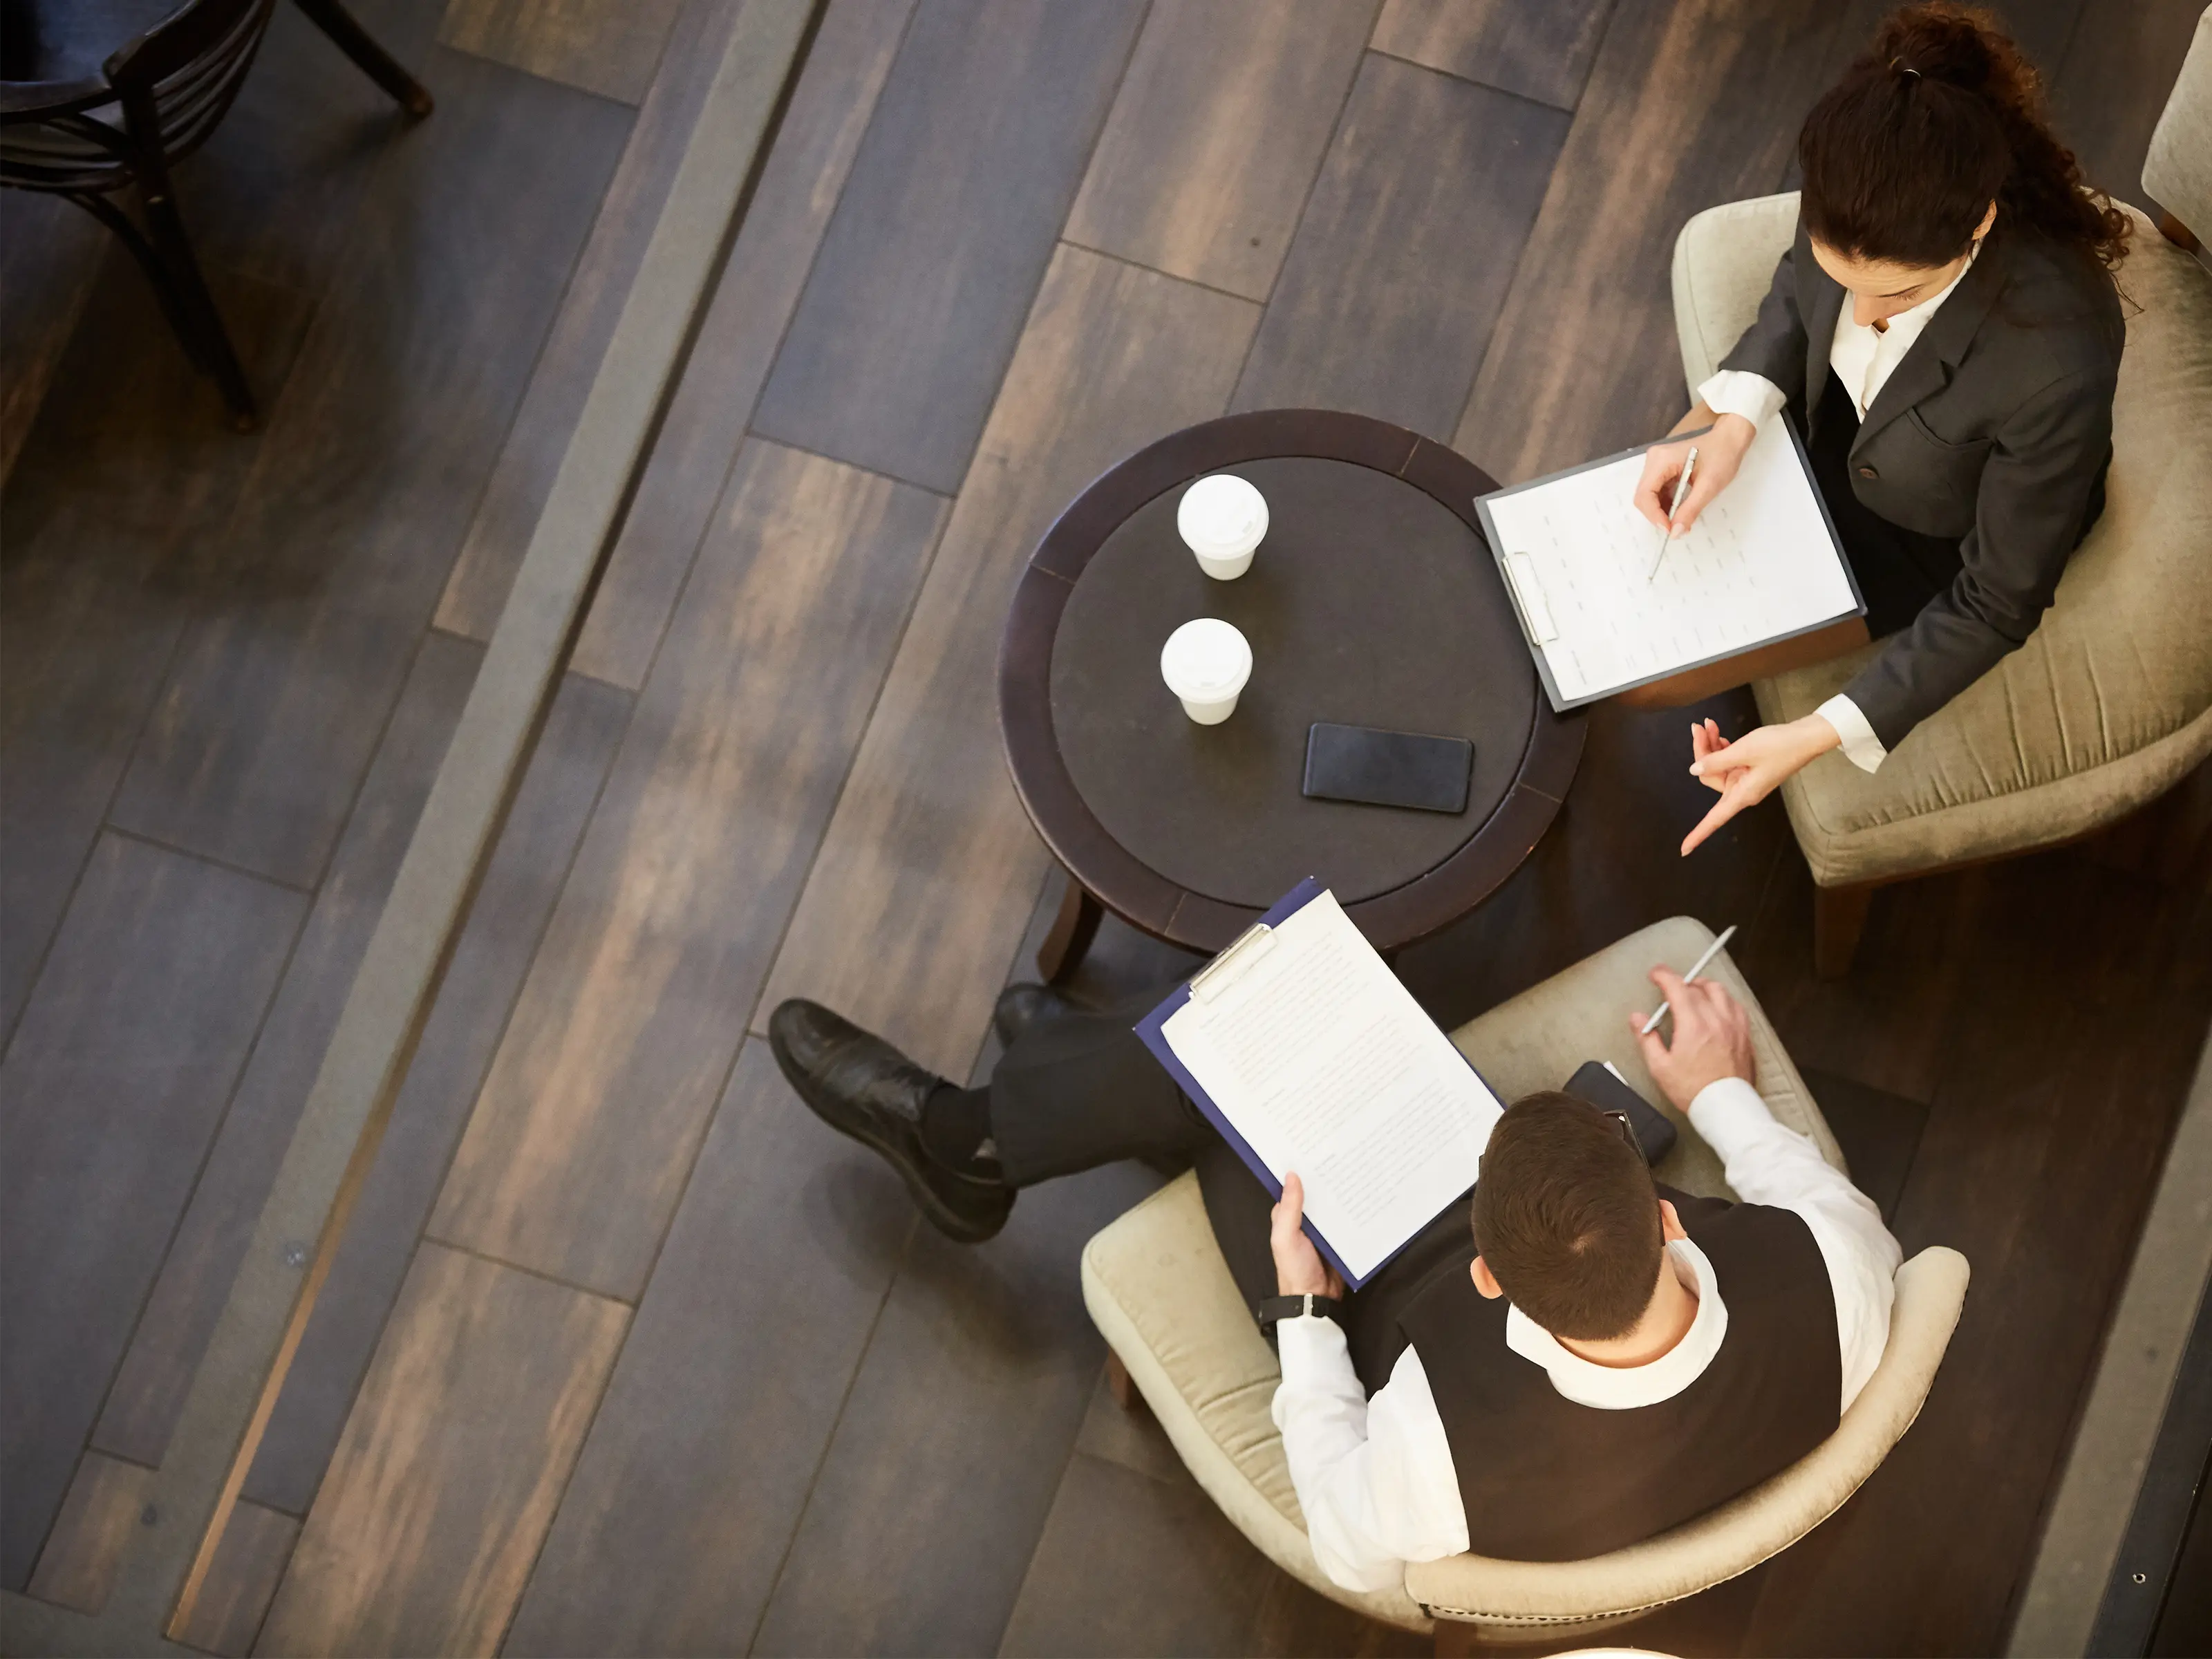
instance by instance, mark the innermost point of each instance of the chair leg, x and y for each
(1123, 1386)
(205, 337)
(335, 20)
(1457, 1637)
(150, 264)
(1839, 916)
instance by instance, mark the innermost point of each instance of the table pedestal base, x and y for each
(1072, 932)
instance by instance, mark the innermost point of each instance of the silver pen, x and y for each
(1696, 967)
(1682, 488)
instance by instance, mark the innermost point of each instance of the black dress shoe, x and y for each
(862, 1086)
(1021, 1006)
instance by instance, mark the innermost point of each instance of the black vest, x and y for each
(1544, 1479)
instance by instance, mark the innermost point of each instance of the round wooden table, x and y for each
(1373, 601)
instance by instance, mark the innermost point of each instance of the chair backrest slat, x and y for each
(173, 85)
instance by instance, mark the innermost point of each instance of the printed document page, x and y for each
(1760, 565)
(1326, 1065)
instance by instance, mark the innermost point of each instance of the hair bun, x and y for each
(1943, 116)
(1949, 43)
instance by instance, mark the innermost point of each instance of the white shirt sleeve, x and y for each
(1861, 747)
(1738, 392)
(1374, 1477)
(1766, 1164)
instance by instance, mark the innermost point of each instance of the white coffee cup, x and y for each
(1205, 663)
(1222, 518)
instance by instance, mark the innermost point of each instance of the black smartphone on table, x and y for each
(1388, 768)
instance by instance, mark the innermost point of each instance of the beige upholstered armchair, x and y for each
(1161, 1296)
(2109, 704)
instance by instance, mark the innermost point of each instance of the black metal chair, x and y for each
(93, 136)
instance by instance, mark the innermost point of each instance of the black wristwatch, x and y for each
(1273, 1309)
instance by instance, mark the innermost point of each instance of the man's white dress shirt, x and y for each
(1863, 359)
(1374, 1476)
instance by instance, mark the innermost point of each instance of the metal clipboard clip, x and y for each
(1231, 965)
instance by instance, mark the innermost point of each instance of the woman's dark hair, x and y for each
(1942, 117)
(1567, 1219)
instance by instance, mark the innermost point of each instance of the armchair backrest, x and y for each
(1931, 1289)
(2177, 171)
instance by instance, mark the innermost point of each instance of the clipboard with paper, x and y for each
(1302, 1047)
(1761, 565)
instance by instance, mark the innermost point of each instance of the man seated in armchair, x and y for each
(1594, 1360)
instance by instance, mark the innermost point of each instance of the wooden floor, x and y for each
(624, 1353)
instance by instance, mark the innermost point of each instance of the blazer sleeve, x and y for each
(2035, 488)
(1773, 347)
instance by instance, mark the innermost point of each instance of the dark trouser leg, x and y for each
(1083, 1090)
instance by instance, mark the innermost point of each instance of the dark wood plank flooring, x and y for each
(368, 470)
(612, 48)
(127, 1053)
(516, 493)
(601, 1090)
(624, 1353)
(1395, 280)
(775, 248)
(1205, 163)
(509, 920)
(942, 232)
(484, 1369)
(179, 1317)
(1541, 49)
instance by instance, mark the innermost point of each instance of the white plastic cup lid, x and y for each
(1222, 511)
(1205, 659)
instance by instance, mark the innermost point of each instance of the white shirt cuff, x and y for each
(1861, 746)
(1310, 1344)
(1727, 1111)
(1738, 392)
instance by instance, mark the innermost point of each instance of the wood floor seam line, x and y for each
(440, 1239)
(814, 259)
(207, 1150)
(625, 585)
(751, 436)
(465, 1091)
(754, 1024)
(108, 806)
(360, 783)
(845, 1397)
(1305, 201)
(1138, 264)
(1474, 80)
(212, 860)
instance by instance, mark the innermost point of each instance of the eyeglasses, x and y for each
(1627, 1131)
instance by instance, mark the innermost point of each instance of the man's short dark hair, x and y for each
(1567, 1217)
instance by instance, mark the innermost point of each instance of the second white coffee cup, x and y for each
(1222, 518)
(1205, 663)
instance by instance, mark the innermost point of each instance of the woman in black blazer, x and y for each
(1946, 333)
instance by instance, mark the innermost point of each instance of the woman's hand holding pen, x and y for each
(1720, 452)
(1748, 770)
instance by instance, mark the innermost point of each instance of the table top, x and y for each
(1372, 601)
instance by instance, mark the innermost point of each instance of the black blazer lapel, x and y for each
(1926, 369)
